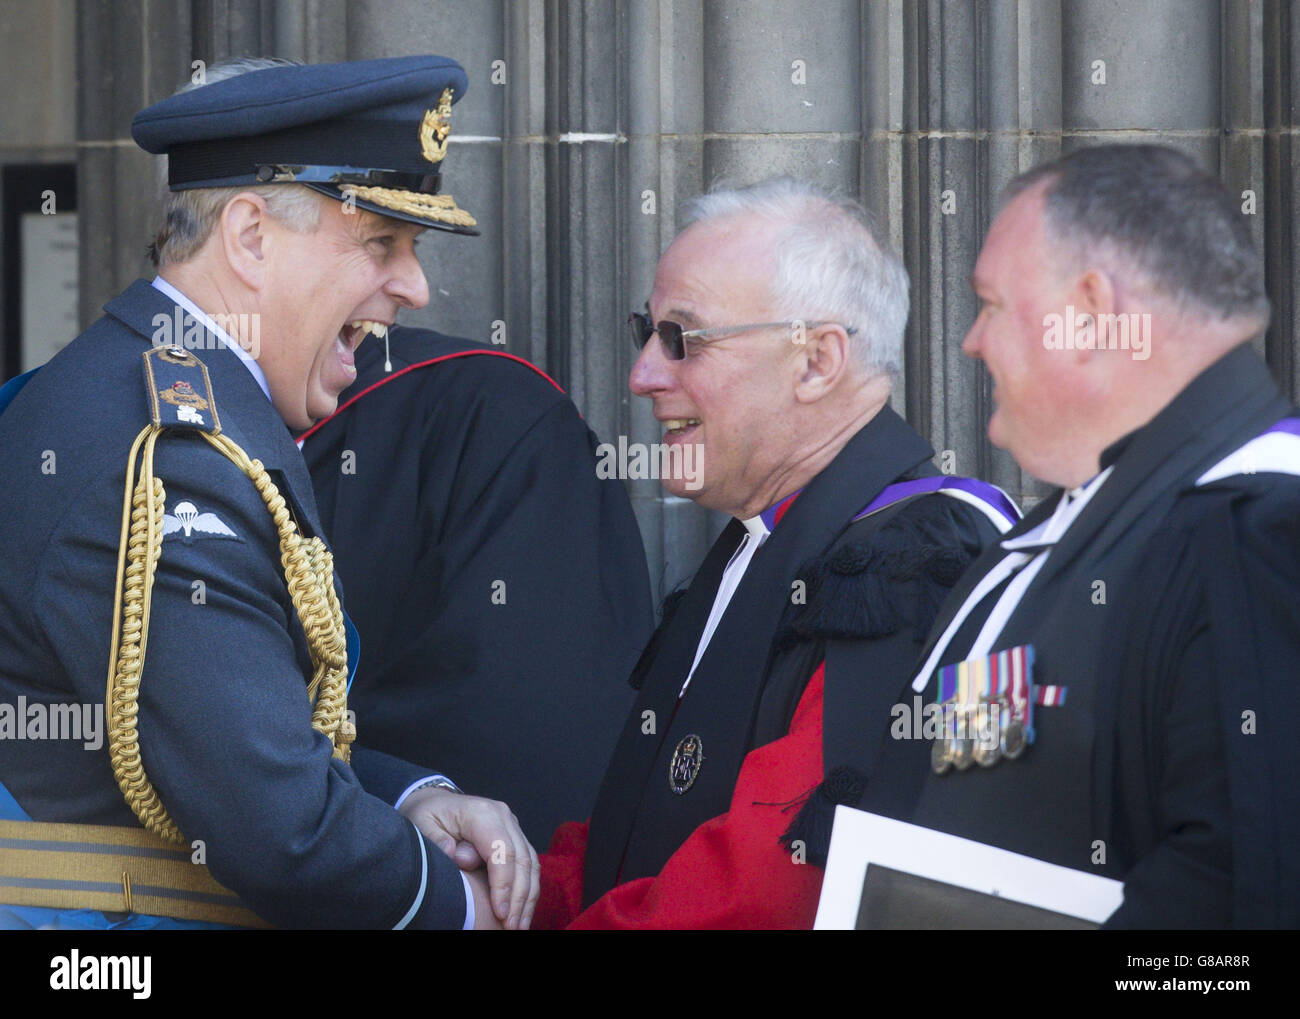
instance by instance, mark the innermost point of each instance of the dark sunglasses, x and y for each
(674, 337)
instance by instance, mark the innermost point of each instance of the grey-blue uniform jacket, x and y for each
(304, 839)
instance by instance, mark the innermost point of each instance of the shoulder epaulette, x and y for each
(179, 391)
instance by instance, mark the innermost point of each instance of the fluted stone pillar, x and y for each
(588, 124)
(1279, 83)
(129, 55)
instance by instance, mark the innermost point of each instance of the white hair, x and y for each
(190, 215)
(830, 263)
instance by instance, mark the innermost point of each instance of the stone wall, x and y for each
(588, 123)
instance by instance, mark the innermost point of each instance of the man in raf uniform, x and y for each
(155, 448)
(1147, 609)
(773, 333)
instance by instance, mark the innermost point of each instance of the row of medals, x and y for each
(985, 750)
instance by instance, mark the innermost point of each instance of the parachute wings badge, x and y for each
(189, 520)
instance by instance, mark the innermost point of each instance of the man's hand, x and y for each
(487, 832)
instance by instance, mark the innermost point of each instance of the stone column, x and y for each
(588, 123)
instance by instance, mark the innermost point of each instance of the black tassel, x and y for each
(812, 825)
(865, 590)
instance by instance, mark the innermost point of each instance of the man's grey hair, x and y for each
(831, 263)
(189, 216)
(1150, 210)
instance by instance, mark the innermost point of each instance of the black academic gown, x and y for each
(866, 587)
(499, 587)
(1145, 774)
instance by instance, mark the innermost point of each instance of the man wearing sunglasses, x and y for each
(769, 347)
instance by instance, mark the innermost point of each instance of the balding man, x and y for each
(1154, 596)
(772, 337)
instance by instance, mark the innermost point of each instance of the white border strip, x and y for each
(424, 883)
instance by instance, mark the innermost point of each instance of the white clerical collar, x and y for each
(250, 363)
(1067, 511)
(756, 528)
(756, 532)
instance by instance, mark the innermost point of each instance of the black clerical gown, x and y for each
(499, 587)
(856, 591)
(1168, 612)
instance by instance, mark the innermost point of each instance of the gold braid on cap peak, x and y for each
(442, 208)
(309, 572)
(434, 129)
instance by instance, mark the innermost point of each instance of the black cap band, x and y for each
(289, 173)
(307, 153)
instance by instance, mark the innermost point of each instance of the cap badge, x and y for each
(434, 129)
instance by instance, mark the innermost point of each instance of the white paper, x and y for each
(859, 840)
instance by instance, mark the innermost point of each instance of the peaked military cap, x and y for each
(373, 131)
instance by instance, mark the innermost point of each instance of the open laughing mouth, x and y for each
(678, 428)
(351, 336)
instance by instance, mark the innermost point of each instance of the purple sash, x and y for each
(988, 498)
(980, 491)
